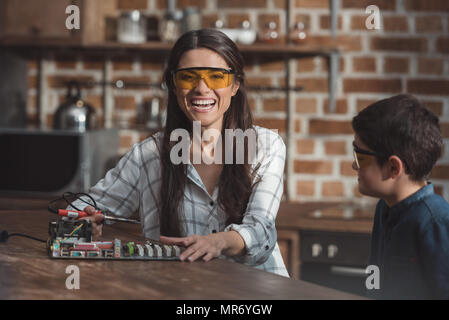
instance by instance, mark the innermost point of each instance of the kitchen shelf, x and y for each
(26, 46)
(42, 47)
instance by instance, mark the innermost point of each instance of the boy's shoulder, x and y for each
(425, 212)
(437, 208)
(429, 212)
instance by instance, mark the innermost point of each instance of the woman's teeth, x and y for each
(202, 102)
(203, 105)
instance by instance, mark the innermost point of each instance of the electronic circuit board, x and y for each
(72, 239)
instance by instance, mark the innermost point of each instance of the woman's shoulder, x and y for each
(149, 147)
(269, 145)
(268, 138)
(153, 140)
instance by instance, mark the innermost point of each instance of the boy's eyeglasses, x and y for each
(362, 157)
(215, 78)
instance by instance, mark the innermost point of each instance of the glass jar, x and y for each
(170, 26)
(269, 33)
(191, 19)
(246, 35)
(298, 34)
(219, 24)
(132, 27)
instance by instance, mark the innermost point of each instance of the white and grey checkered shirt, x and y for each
(134, 184)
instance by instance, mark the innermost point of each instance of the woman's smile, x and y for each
(202, 105)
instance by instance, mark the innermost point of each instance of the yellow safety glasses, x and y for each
(215, 78)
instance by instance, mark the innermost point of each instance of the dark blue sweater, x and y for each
(410, 245)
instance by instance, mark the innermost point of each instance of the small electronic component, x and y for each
(167, 250)
(72, 239)
(158, 250)
(117, 246)
(176, 251)
(149, 250)
(140, 250)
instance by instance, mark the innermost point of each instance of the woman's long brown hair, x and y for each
(236, 180)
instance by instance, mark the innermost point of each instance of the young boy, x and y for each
(397, 142)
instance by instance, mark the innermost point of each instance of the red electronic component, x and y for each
(81, 214)
(74, 213)
(104, 245)
(85, 246)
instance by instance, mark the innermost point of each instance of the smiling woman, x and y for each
(223, 209)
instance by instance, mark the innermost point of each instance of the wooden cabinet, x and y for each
(335, 247)
(335, 259)
(326, 243)
(44, 20)
(332, 259)
(288, 242)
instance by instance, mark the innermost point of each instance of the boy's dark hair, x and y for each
(401, 126)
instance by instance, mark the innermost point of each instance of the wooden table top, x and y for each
(26, 272)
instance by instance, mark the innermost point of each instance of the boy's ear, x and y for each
(396, 166)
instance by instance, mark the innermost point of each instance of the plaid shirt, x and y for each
(134, 184)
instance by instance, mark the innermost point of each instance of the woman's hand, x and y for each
(207, 247)
(95, 219)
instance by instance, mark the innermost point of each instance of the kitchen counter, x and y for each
(26, 272)
(325, 216)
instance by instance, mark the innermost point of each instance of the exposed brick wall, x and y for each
(409, 54)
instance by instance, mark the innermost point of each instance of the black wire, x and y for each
(6, 236)
(69, 197)
(50, 208)
(77, 196)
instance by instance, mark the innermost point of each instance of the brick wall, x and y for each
(409, 54)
